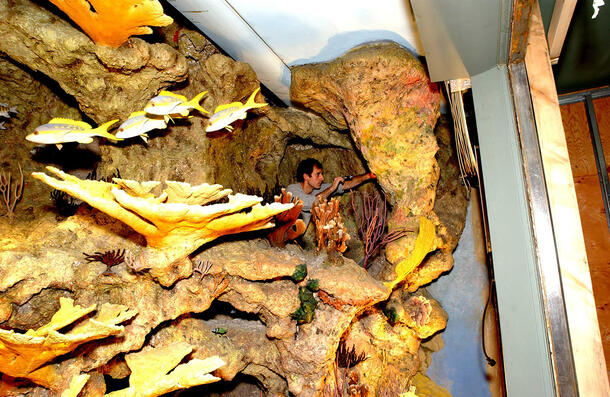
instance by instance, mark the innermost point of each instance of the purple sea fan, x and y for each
(372, 226)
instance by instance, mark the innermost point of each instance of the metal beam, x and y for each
(546, 247)
(598, 151)
(525, 345)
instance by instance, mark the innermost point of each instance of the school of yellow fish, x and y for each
(158, 111)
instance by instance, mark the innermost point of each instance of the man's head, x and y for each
(310, 172)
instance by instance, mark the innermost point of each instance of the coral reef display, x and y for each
(331, 234)
(185, 270)
(22, 355)
(151, 376)
(288, 226)
(176, 222)
(111, 22)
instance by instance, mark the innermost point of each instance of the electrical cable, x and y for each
(492, 289)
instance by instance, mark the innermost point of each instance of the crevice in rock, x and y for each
(241, 386)
(221, 312)
(37, 310)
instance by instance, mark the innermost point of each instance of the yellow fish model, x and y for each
(226, 114)
(168, 104)
(59, 130)
(138, 124)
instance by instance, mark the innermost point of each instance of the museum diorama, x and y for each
(149, 244)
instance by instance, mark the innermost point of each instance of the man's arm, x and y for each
(357, 180)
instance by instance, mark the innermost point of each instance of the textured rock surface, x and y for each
(249, 275)
(101, 79)
(41, 256)
(383, 94)
(36, 103)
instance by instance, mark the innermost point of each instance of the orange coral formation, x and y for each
(22, 354)
(112, 22)
(287, 225)
(330, 232)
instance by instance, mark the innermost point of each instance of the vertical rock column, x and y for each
(382, 93)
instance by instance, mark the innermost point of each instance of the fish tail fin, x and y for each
(195, 102)
(250, 102)
(102, 131)
(13, 110)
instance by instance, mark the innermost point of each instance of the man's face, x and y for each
(315, 179)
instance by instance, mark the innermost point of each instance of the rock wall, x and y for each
(381, 94)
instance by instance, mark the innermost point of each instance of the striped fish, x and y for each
(60, 130)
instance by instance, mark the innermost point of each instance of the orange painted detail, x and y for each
(112, 22)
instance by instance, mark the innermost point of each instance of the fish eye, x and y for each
(36, 132)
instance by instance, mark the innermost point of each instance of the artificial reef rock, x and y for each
(175, 222)
(151, 376)
(102, 79)
(240, 301)
(382, 93)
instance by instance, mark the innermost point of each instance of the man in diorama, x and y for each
(310, 187)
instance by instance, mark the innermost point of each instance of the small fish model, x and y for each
(5, 110)
(138, 124)
(228, 113)
(168, 104)
(219, 331)
(60, 130)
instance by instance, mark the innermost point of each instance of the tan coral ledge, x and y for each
(176, 222)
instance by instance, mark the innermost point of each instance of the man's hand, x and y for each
(358, 179)
(336, 182)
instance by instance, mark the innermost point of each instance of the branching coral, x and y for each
(11, 194)
(348, 358)
(288, 226)
(22, 355)
(176, 222)
(65, 204)
(112, 22)
(202, 267)
(372, 224)
(150, 374)
(108, 258)
(330, 232)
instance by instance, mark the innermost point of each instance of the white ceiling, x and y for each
(461, 37)
(272, 35)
